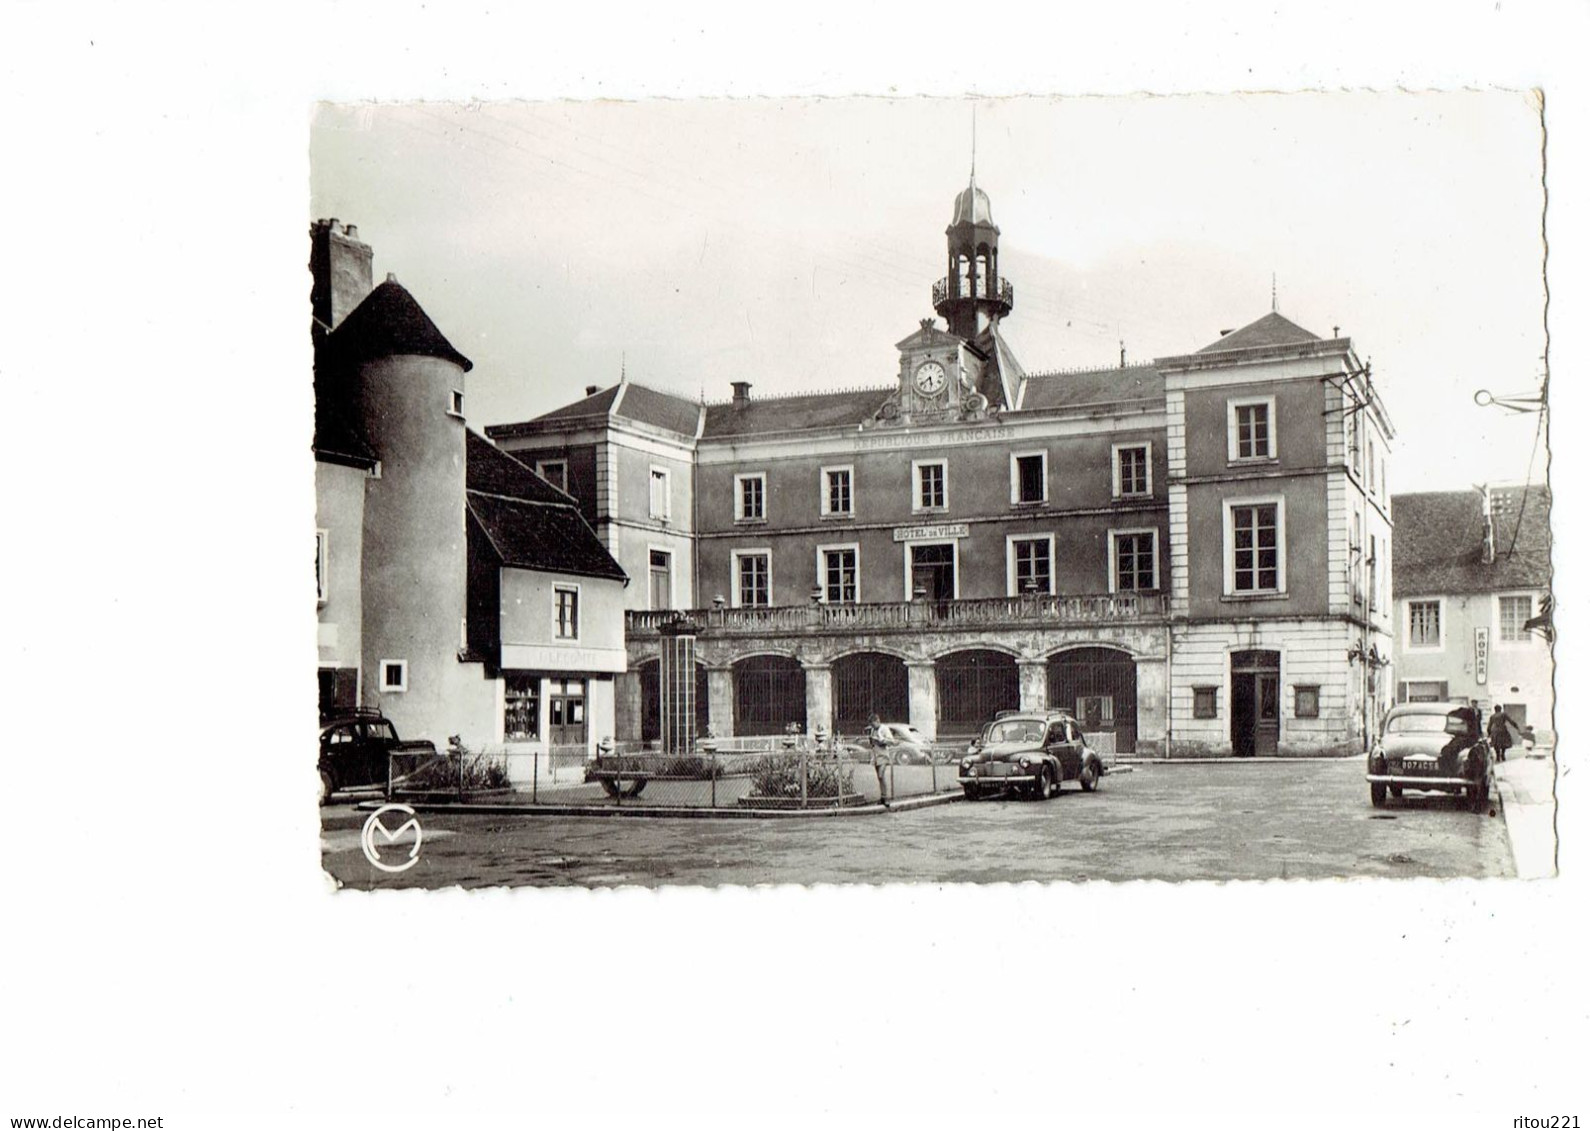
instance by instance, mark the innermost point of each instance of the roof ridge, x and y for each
(570, 505)
(813, 393)
(1089, 369)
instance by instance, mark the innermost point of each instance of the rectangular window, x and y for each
(1029, 477)
(1354, 448)
(662, 579)
(932, 492)
(1423, 691)
(753, 585)
(1424, 624)
(1204, 702)
(1031, 565)
(322, 538)
(566, 606)
(1131, 470)
(838, 498)
(394, 675)
(1250, 428)
(1374, 573)
(838, 574)
(455, 403)
(659, 493)
(555, 472)
(750, 498)
(1369, 465)
(521, 709)
(1355, 554)
(1306, 704)
(1135, 565)
(1256, 542)
(1511, 613)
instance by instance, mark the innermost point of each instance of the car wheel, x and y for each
(1089, 777)
(1377, 795)
(326, 786)
(970, 791)
(1045, 787)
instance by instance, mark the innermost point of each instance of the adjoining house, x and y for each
(457, 591)
(1189, 554)
(1473, 599)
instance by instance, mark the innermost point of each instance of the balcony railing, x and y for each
(1002, 291)
(906, 615)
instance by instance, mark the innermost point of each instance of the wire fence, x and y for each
(766, 773)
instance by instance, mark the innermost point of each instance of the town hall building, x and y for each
(1191, 555)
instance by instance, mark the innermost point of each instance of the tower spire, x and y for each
(974, 143)
(1275, 306)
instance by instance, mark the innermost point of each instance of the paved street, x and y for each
(1303, 820)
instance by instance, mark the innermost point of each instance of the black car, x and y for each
(1435, 747)
(356, 750)
(1031, 752)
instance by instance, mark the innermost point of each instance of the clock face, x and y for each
(930, 378)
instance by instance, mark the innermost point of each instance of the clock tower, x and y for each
(973, 297)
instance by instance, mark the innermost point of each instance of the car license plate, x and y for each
(1420, 767)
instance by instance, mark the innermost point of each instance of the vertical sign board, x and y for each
(676, 686)
(1482, 655)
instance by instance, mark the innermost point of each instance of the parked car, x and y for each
(355, 750)
(1432, 747)
(1033, 752)
(904, 744)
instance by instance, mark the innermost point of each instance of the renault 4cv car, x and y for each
(1432, 747)
(1030, 752)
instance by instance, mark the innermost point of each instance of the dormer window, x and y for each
(455, 402)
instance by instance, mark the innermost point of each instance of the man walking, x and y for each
(1497, 731)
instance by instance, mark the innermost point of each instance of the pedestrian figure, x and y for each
(879, 758)
(1527, 741)
(1497, 730)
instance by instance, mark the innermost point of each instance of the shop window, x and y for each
(1204, 702)
(1306, 702)
(521, 716)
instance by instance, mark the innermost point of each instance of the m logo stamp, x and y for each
(389, 837)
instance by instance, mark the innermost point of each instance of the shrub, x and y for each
(779, 775)
(480, 772)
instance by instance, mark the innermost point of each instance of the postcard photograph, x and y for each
(924, 490)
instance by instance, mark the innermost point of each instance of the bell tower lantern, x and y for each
(973, 297)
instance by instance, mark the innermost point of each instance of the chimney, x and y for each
(339, 267)
(742, 391)
(592, 390)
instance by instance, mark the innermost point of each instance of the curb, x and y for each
(676, 812)
(1231, 760)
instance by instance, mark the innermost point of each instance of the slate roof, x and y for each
(598, 403)
(389, 323)
(527, 522)
(339, 428)
(1094, 386)
(660, 410)
(1438, 541)
(806, 411)
(1271, 330)
(489, 469)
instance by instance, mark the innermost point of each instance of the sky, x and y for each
(695, 242)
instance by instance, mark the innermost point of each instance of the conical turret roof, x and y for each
(390, 323)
